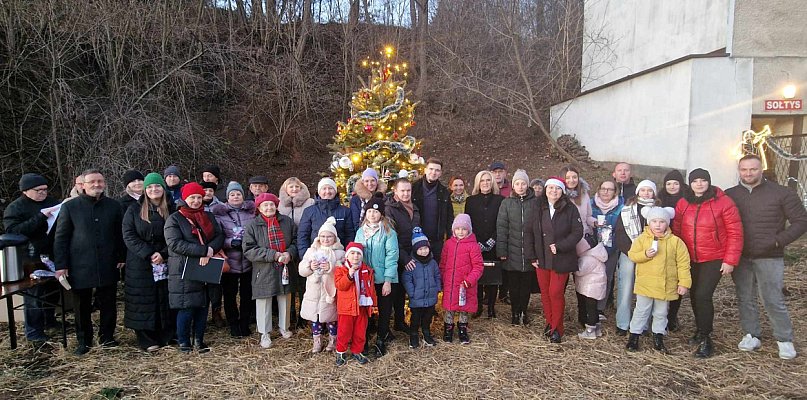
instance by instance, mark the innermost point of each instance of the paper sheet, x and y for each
(52, 218)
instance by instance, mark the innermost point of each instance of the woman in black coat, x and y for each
(550, 240)
(190, 232)
(483, 208)
(146, 274)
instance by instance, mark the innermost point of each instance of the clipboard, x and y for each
(210, 273)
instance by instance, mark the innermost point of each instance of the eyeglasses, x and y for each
(45, 190)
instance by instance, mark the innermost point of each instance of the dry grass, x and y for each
(502, 362)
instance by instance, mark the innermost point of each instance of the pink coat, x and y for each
(590, 279)
(460, 260)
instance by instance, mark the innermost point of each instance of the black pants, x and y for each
(421, 318)
(83, 299)
(214, 294)
(505, 286)
(398, 302)
(520, 285)
(237, 284)
(489, 294)
(672, 312)
(587, 310)
(705, 277)
(384, 311)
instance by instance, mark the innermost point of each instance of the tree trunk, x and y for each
(423, 35)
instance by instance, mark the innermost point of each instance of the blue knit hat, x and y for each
(419, 239)
(234, 186)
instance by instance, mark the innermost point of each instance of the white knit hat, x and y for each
(648, 184)
(328, 226)
(326, 182)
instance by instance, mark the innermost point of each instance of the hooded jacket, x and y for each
(319, 300)
(314, 216)
(233, 221)
(515, 213)
(293, 207)
(423, 283)
(381, 253)
(710, 226)
(590, 279)
(360, 197)
(461, 261)
(660, 276)
(347, 296)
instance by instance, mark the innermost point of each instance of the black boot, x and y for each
(491, 311)
(555, 337)
(633, 342)
(525, 320)
(380, 348)
(463, 328)
(414, 340)
(428, 339)
(658, 343)
(672, 325)
(705, 348)
(514, 319)
(478, 311)
(695, 339)
(448, 333)
(547, 330)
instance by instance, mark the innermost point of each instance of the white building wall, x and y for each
(624, 37)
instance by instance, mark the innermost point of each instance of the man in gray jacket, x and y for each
(765, 208)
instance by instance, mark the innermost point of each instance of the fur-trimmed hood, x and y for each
(366, 194)
(298, 200)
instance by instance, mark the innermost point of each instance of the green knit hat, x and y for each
(153, 178)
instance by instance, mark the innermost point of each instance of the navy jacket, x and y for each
(313, 218)
(422, 284)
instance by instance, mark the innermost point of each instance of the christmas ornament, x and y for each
(345, 162)
(368, 128)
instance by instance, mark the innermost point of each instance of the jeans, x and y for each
(763, 277)
(626, 276)
(83, 300)
(644, 307)
(186, 316)
(705, 277)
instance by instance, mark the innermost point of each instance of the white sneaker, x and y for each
(749, 343)
(266, 341)
(786, 350)
(589, 333)
(286, 334)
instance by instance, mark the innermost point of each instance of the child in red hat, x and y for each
(355, 299)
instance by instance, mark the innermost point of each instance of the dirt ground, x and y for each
(503, 361)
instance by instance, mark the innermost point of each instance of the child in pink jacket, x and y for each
(590, 283)
(461, 267)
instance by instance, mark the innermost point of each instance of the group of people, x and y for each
(311, 258)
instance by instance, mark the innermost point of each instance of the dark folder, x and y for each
(210, 273)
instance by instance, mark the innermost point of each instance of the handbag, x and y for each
(218, 254)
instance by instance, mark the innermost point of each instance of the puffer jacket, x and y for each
(266, 272)
(660, 276)
(422, 283)
(182, 243)
(564, 230)
(381, 254)
(319, 300)
(233, 221)
(590, 279)
(293, 207)
(461, 261)
(764, 211)
(710, 226)
(347, 297)
(514, 212)
(360, 197)
(314, 216)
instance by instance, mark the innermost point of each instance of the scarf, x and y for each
(603, 206)
(408, 206)
(198, 218)
(459, 199)
(646, 202)
(275, 234)
(370, 229)
(632, 221)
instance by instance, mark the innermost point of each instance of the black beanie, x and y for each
(213, 169)
(208, 185)
(30, 181)
(699, 173)
(376, 203)
(131, 175)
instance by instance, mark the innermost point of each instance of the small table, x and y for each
(23, 287)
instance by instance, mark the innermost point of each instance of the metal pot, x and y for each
(13, 250)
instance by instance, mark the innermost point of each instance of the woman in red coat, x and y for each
(709, 223)
(461, 266)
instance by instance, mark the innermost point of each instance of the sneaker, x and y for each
(590, 333)
(786, 350)
(110, 344)
(266, 341)
(202, 347)
(429, 340)
(286, 334)
(598, 329)
(185, 348)
(340, 359)
(153, 348)
(361, 358)
(749, 343)
(414, 341)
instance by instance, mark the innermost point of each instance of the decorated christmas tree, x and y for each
(376, 134)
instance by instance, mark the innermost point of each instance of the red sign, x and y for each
(783, 105)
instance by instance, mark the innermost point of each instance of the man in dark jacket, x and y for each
(89, 250)
(28, 216)
(765, 207)
(212, 173)
(625, 187)
(257, 185)
(434, 202)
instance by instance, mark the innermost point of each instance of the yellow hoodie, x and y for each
(660, 276)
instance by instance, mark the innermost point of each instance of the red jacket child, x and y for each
(355, 299)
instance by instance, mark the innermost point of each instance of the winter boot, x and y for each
(548, 330)
(515, 318)
(491, 311)
(658, 343)
(525, 320)
(414, 341)
(589, 333)
(633, 342)
(380, 348)
(705, 348)
(428, 339)
(695, 339)
(340, 359)
(361, 358)
(317, 344)
(555, 337)
(448, 333)
(463, 328)
(331, 343)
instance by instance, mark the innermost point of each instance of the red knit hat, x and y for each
(353, 246)
(192, 188)
(266, 197)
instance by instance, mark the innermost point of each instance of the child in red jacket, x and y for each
(461, 267)
(355, 298)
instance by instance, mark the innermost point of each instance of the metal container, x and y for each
(13, 250)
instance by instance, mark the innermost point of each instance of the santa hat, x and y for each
(557, 182)
(353, 246)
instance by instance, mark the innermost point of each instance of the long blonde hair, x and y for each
(493, 186)
(162, 208)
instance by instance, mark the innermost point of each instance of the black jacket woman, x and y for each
(483, 208)
(404, 215)
(550, 240)
(190, 232)
(146, 309)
